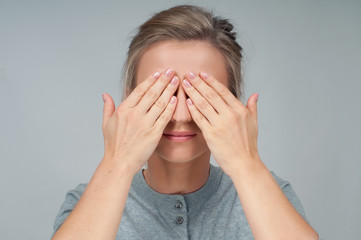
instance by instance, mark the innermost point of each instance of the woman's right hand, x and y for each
(133, 130)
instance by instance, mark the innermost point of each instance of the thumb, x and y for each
(108, 109)
(252, 105)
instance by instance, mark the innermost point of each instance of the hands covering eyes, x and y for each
(132, 130)
(229, 128)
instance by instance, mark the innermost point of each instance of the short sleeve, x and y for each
(71, 199)
(290, 194)
(292, 197)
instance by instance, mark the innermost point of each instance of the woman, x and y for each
(181, 103)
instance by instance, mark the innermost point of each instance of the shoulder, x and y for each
(76, 193)
(282, 183)
(71, 199)
(290, 193)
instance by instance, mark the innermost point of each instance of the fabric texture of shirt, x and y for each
(212, 212)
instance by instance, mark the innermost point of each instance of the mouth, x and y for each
(179, 136)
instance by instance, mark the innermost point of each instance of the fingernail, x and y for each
(257, 98)
(186, 83)
(156, 75)
(174, 81)
(204, 75)
(104, 99)
(173, 99)
(189, 101)
(191, 75)
(169, 72)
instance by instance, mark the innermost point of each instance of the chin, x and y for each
(181, 153)
(176, 158)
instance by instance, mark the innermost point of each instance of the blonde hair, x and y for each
(183, 23)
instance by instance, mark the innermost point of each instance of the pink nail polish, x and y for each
(191, 75)
(169, 72)
(204, 75)
(186, 83)
(189, 101)
(156, 75)
(174, 81)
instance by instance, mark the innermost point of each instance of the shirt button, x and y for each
(180, 220)
(178, 205)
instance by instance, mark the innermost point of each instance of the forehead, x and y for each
(183, 56)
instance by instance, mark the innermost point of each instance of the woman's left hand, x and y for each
(229, 128)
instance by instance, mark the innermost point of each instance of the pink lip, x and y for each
(179, 136)
(180, 133)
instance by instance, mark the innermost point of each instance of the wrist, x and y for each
(246, 166)
(118, 165)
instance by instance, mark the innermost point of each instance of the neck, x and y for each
(177, 178)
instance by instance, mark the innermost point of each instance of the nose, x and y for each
(181, 113)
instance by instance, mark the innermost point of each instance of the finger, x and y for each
(162, 102)
(166, 116)
(202, 105)
(108, 108)
(138, 92)
(197, 117)
(208, 93)
(222, 90)
(153, 93)
(252, 105)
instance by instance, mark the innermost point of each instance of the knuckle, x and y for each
(203, 104)
(160, 104)
(211, 95)
(155, 131)
(152, 93)
(148, 131)
(196, 83)
(131, 116)
(199, 118)
(242, 113)
(228, 114)
(212, 132)
(163, 79)
(234, 117)
(163, 118)
(152, 129)
(210, 79)
(139, 90)
(223, 91)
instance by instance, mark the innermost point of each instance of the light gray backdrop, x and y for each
(58, 57)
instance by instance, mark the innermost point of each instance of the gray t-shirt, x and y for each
(212, 212)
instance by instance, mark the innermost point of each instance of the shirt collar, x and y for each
(192, 201)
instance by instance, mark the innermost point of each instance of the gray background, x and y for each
(58, 57)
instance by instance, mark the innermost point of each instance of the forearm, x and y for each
(98, 213)
(268, 211)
